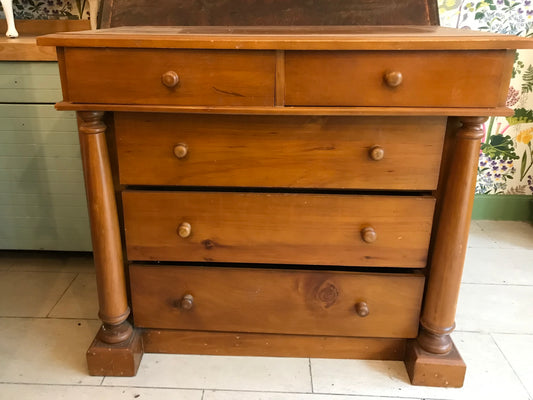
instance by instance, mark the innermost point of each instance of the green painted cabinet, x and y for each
(42, 197)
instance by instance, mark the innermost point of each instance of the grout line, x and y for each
(203, 394)
(496, 284)
(49, 318)
(311, 376)
(509, 363)
(62, 295)
(102, 381)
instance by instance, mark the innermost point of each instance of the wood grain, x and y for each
(290, 38)
(278, 228)
(227, 78)
(276, 301)
(254, 151)
(430, 79)
(271, 345)
(253, 12)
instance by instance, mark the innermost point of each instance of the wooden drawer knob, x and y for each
(369, 235)
(361, 309)
(184, 230)
(393, 78)
(187, 302)
(377, 153)
(170, 79)
(181, 150)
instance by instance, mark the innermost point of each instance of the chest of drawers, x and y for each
(278, 191)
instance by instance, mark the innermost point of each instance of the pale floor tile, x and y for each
(53, 262)
(216, 372)
(478, 238)
(518, 349)
(50, 392)
(509, 234)
(31, 294)
(227, 395)
(48, 351)
(488, 377)
(495, 308)
(498, 266)
(79, 301)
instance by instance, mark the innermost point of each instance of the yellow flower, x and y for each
(525, 136)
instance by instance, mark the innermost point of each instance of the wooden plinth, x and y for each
(120, 359)
(440, 370)
(271, 345)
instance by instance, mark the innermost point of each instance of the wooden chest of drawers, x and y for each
(274, 191)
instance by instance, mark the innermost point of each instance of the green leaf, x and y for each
(479, 15)
(523, 165)
(499, 147)
(521, 116)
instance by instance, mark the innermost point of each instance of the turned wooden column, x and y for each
(446, 268)
(105, 231)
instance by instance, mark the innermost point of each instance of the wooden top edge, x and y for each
(290, 38)
(24, 48)
(340, 111)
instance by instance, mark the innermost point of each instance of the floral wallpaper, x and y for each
(50, 9)
(506, 157)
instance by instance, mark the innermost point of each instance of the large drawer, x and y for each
(282, 151)
(276, 301)
(397, 78)
(126, 76)
(389, 231)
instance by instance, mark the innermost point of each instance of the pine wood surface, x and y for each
(270, 151)
(289, 38)
(357, 78)
(271, 345)
(276, 301)
(228, 78)
(278, 228)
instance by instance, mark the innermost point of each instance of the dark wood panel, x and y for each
(289, 151)
(278, 228)
(276, 301)
(275, 12)
(424, 79)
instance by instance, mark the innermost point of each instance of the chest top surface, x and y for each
(289, 38)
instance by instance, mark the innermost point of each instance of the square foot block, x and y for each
(428, 369)
(121, 359)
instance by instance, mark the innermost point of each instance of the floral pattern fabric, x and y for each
(506, 157)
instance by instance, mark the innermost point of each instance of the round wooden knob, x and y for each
(377, 153)
(184, 230)
(369, 235)
(170, 79)
(361, 309)
(181, 150)
(393, 78)
(187, 302)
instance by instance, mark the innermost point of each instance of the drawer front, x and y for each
(287, 151)
(276, 301)
(372, 78)
(125, 76)
(388, 231)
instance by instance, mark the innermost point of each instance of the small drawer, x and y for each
(176, 77)
(387, 231)
(276, 301)
(397, 78)
(280, 151)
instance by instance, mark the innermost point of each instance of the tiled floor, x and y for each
(48, 319)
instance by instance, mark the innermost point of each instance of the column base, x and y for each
(120, 359)
(428, 369)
